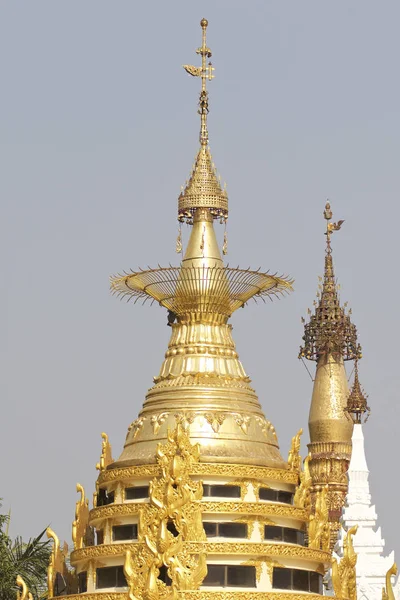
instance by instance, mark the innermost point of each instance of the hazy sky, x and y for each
(99, 130)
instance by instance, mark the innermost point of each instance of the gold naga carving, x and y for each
(302, 496)
(175, 503)
(82, 533)
(106, 455)
(24, 594)
(56, 561)
(319, 526)
(294, 458)
(387, 592)
(344, 573)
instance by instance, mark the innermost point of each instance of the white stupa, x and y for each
(372, 564)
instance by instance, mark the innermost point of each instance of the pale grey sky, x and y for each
(98, 130)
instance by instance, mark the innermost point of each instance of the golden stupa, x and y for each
(200, 505)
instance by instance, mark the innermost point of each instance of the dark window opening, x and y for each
(233, 530)
(316, 583)
(230, 576)
(210, 529)
(60, 585)
(103, 498)
(297, 580)
(99, 536)
(172, 529)
(108, 577)
(276, 495)
(137, 493)
(284, 534)
(82, 582)
(282, 578)
(215, 576)
(221, 491)
(229, 530)
(163, 576)
(124, 532)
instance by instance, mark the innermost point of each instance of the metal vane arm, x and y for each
(205, 72)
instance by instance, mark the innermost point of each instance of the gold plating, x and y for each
(210, 548)
(221, 470)
(238, 508)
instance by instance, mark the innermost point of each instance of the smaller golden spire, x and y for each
(330, 329)
(357, 406)
(203, 190)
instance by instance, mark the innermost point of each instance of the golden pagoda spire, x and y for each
(201, 377)
(357, 406)
(203, 190)
(330, 338)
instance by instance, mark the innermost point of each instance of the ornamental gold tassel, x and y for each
(179, 246)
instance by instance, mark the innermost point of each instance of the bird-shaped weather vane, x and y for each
(205, 72)
(330, 227)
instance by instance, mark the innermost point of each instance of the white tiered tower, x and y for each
(372, 565)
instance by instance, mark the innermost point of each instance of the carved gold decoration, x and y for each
(106, 456)
(250, 595)
(223, 470)
(135, 427)
(174, 498)
(319, 527)
(56, 561)
(208, 595)
(258, 564)
(302, 494)
(215, 420)
(330, 329)
(237, 548)
(357, 407)
(294, 458)
(244, 508)
(81, 532)
(344, 573)
(387, 592)
(25, 593)
(157, 420)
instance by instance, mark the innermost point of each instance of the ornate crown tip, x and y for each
(204, 23)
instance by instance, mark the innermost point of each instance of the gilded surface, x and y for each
(57, 562)
(81, 532)
(319, 526)
(24, 594)
(174, 499)
(222, 470)
(294, 458)
(106, 454)
(208, 595)
(344, 572)
(234, 548)
(302, 496)
(387, 592)
(241, 508)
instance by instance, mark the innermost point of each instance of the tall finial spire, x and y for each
(330, 328)
(357, 406)
(330, 338)
(205, 72)
(203, 189)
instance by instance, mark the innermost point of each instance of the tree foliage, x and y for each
(27, 559)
